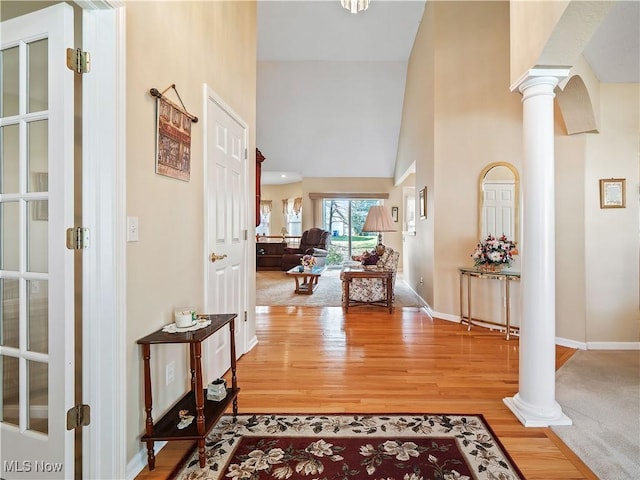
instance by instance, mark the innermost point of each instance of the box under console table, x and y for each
(207, 412)
(504, 275)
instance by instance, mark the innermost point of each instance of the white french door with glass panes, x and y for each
(36, 270)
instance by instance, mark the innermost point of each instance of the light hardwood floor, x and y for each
(317, 360)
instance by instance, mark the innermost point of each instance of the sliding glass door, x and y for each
(344, 219)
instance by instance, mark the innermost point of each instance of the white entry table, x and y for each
(505, 275)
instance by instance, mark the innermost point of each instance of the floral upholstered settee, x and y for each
(370, 290)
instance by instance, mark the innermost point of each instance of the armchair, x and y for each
(314, 241)
(373, 290)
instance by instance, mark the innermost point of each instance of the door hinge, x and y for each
(78, 416)
(245, 315)
(77, 238)
(78, 61)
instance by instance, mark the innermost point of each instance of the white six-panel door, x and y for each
(226, 217)
(36, 269)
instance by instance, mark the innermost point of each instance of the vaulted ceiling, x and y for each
(331, 83)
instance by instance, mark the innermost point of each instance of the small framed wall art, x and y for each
(423, 203)
(613, 193)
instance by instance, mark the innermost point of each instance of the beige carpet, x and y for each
(600, 392)
(276, 288)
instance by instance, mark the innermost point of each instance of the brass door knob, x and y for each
(215, 257)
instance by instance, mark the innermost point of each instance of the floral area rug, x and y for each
(344, 447)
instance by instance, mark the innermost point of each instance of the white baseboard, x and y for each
(567, 342)
(425, 305)
(447, 316)
(613, 345)
(139, 460)
(427, 309)
(564, 342)
(252, 343)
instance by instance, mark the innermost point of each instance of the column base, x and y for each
(531, 416)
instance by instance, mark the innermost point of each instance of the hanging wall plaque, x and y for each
(173, 136)
(173, 152)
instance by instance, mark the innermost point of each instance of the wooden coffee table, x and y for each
(306, 281)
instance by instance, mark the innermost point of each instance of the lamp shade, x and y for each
(378, 220)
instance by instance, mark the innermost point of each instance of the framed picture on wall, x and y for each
(612, 193)
(422, 200)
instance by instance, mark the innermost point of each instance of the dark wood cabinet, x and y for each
(269, 255)
(207, 412)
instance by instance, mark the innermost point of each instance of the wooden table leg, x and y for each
(469, 301)
(148, 400)
(345, 300)
(192, 367)
(460, 297)
(199, 397)
(390, 294)
(234, 378)
(507, 307)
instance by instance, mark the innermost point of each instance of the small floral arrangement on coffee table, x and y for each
(308, 261)
(494, 252)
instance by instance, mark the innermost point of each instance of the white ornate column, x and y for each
(535, 404)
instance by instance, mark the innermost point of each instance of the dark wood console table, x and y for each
(207, 412)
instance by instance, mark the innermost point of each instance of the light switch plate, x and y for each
(132, 229)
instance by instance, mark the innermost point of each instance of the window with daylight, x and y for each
(292, 211)
(264, 227)
(265, 218)
(294, 224)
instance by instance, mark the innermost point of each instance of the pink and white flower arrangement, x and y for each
(494, 251)
(308, 261)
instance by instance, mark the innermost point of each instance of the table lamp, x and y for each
(284, 232)
(378, 220)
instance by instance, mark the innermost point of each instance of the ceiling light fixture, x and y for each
(355, 6)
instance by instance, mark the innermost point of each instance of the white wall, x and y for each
(611, 235)
(477, 122)
(277, 193)
(459, 116)
(571, 313)
(416, 146)
(474, 121)
(189, 44)
(363, 101)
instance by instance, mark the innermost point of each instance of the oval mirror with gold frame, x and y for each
(498, 199)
